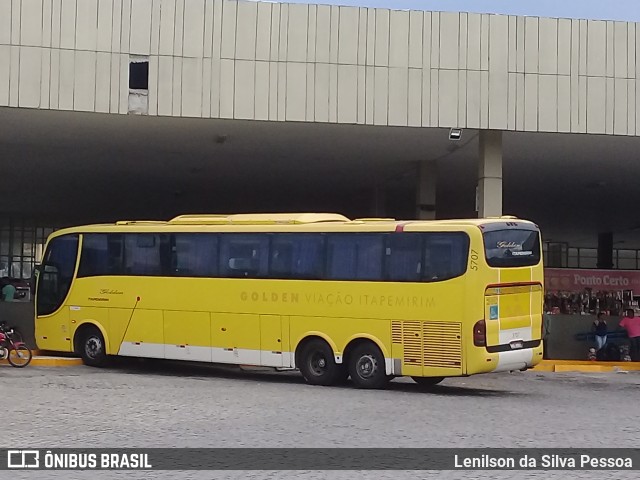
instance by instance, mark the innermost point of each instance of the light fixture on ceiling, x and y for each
(455, 134)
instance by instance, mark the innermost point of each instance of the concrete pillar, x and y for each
(605, 250)
(489, 194)
(426, 190)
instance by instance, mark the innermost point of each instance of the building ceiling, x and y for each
(70, 167)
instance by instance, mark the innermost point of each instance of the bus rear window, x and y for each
(512, 248)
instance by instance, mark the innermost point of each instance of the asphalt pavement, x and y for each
(162, 404)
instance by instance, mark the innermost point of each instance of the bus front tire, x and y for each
(318, 365)
(92, 348)
(426, 382)
(367, 366)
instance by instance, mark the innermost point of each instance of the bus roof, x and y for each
(265, 222)
(478, 221)
(258, 219)
(291, 219)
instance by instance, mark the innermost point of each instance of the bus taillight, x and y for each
(480, 334)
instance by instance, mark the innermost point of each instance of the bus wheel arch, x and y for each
(315, 358)
(366, 363)
(90, 343)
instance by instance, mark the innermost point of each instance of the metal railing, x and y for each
(561, 255)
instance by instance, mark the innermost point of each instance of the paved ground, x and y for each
(157, 404)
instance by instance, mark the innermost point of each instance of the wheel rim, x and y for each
(93, 347)
(367, 366)
(318, 364)
(19, 356)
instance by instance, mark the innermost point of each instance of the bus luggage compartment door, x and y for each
(271, 344)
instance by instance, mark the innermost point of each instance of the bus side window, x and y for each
(94, 259)
(281, 256)
(244, 255)
(296, 256)
(115, 254)
(195, 255)
(355, 256)
(308, 256)
(143, 254)
(445, 256)
(102, 254)
(404, 257)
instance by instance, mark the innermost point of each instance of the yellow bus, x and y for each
(369, 299)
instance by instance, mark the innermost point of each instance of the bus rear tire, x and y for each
(92, 348)
(367, 366)
(427, 382)
(318, 365)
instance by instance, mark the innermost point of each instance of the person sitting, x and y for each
(600, 331)
(8, 290)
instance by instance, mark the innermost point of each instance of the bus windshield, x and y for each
(512, 248)
(56, 273)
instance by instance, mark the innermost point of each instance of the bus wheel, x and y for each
(367, 366)
(92, 348)
(427, 381)
(318, 365)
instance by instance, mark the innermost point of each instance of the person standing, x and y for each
(600, 331)
(546, 332)
(631, 324)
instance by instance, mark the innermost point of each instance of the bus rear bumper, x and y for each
(518, 359)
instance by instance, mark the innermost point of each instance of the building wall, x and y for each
(315, 63)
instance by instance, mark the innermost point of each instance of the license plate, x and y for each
(515, 345)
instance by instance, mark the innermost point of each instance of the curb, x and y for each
(585, 366)
(45, 361)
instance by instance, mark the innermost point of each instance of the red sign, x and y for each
(576, 280)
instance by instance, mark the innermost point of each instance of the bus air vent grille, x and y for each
(396, 332)
(442, 344)
(412, 343)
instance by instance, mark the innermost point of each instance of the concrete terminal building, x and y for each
(114, 109)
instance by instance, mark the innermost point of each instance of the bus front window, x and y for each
(56, 273)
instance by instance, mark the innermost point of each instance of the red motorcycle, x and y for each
(13, 348)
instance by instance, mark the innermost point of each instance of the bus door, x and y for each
(55, 277)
